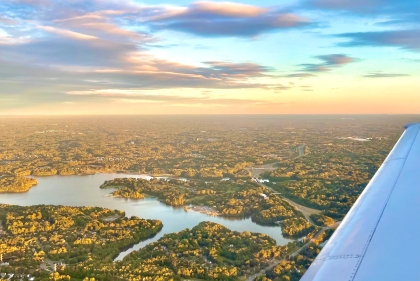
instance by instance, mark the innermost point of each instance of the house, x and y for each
(264, 196)
(263, 180)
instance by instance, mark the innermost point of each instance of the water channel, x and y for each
(85, 191)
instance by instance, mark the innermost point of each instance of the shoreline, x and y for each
(5, 192)
(110, 195)
(131, 245)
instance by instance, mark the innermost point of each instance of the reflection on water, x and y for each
(85, 191)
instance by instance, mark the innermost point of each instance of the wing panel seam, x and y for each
(360, 259)
(339, 257)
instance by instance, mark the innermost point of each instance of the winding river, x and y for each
(85, 191)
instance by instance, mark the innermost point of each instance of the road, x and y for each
(256, 171)
(301, 151)
(295, 253)
(306, 211)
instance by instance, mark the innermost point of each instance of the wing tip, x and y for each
(406, 126)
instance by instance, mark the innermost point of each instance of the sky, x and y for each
(108, 57)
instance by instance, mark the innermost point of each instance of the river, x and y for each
(85, 191)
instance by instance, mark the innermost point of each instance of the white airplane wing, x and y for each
(379, 239)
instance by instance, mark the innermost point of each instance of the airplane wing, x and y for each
(379, 239)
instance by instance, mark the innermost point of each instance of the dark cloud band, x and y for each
(406, 39)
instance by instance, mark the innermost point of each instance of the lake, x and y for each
(85, 191)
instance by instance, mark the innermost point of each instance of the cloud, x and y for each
(67, 33)
(405, 39)
(140, 96)
(220, 19)
(352, 5)
(43, 71)
(300, 75)
(389, 12)
(5, 20)
(329, 62)
(64, 52)
(237, 70)
(110, 19)
(122, 61)
(43, 11)
(229, 9)
(31, 2)
(384, 75)
(102, 24)
(337, 59)
(281, 88)
(398, 20)
(367, 6)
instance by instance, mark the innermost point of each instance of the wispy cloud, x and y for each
(368, 6)
(384, 75)
(102, 24)
(67, 33)
(237, 70)
(328, 63)
(363, 6)
(140, 96)
(300, 75)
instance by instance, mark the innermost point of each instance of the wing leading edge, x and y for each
(379, 239)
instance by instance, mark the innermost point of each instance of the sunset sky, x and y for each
(207, 57)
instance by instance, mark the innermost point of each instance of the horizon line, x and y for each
(215, 114)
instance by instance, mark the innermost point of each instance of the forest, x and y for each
(293, 268)
(209, 251)
(35, 237)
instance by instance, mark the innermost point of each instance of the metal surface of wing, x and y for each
(379, 239)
